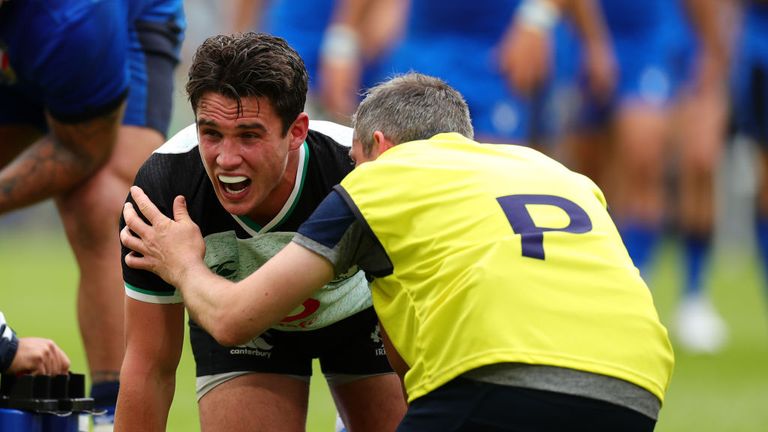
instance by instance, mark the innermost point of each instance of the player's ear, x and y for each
(298, 130)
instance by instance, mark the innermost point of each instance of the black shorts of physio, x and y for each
(352, 346)
(466, 405)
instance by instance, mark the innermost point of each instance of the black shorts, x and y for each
(352, 346)
(468, 405)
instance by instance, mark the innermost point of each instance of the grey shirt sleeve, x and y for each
(338, 232)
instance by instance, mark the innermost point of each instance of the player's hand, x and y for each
(38, 356)
(525, 58)
(167, 247)
(600, 70)
(711, 72)
(339, 84)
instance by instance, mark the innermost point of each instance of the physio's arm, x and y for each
(154, 336)
(58, 161)
(232, 313)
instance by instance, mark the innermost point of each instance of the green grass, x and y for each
(728, 391)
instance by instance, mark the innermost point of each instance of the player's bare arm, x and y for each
(154, 337)
(58, 161)
(231, 312)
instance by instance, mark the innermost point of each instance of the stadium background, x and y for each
(723, 392)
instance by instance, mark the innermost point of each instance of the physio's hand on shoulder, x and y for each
(170, 248)
(39, 356)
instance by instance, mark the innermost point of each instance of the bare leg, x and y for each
(636, 195)
(588, 153)
(371, 404)
(641, 133)
(702, 123)
(256, 402)
(90, 214)
(703, 119)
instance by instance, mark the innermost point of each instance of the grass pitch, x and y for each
(728, 391)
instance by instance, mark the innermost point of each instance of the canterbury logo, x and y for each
(257, 347)
(258, 343)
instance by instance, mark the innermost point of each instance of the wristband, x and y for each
(340, 42)
(538, 14)
(9, 344)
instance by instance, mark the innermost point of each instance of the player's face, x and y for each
(247, 157)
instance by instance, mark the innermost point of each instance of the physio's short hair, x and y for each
(411, 107)
(250, 65)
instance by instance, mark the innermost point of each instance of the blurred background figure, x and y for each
(699, 46)
(671, 58)
(85, 96)
(300, 22)
(498, 54)
(749, 93)
(618, 138)
(29, 355)
(335, 57)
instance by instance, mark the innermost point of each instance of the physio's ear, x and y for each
(381, 143)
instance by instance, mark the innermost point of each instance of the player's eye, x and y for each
(211, 133)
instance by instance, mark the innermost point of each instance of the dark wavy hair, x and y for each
(250, 65)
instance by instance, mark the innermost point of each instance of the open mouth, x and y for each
(234, 184)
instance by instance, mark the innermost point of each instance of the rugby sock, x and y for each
(762, 241)
(641, 241)
(104, 396)
(697, 248)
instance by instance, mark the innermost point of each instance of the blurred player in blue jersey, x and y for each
(750, 102)
(671, 60)
(304, 24)
(497, 53)
(699, 44)
(618, 139)
(85, 96)
(300, 22)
